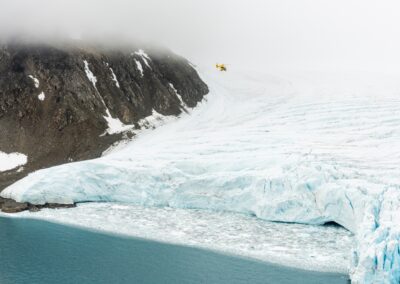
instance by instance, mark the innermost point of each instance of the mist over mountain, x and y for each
(288, 34)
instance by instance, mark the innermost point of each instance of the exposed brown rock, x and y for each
(11, 206)
(68, 124)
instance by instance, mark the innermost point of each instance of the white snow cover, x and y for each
(139, 66)
(41, 96)
(178, 95)
(11, 161)
(114, 78)
(145, 124)
(114, 124)
(304, 147)
(144, 57)
(154, 120)
(305, 246)
(35, 81)
(90, 74)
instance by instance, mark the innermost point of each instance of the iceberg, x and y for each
(306, 148)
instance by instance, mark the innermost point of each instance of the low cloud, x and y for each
(358, 34)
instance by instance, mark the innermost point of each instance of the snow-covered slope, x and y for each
(306, 148)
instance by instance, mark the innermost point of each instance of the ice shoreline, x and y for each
(224, 232)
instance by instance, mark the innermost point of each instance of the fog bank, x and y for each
(304, 34)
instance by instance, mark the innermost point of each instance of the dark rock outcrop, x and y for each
(53, 111)
(11, 206)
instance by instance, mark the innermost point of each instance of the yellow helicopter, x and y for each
(220, 67)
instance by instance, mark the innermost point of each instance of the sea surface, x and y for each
(33, 251)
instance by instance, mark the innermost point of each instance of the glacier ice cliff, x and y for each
(306, 148)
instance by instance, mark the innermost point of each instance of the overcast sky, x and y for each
(358, 34)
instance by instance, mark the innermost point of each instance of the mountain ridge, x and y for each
(70, 102)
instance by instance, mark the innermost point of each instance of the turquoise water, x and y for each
(34, 251)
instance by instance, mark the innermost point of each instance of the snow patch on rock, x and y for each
(115, 125)
(146, 124)
(11, 161)
(178, 95)
(141, 53)
(144, 57)
(154, 120)
(35, 81)
(114, 78)
(90, 74)
(41, 96)
(139, 67)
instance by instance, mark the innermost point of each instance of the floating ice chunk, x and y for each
(139, 67)
(35, 81)
(309, 247)
(41, 96)
(11, 161)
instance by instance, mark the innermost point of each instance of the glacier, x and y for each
(306, 147)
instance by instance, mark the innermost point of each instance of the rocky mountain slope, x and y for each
(71, 102)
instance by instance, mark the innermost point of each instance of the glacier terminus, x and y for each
(308, 148)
